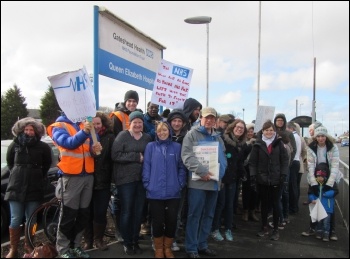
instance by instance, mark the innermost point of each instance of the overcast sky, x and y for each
(41, 39)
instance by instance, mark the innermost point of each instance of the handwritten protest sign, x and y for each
(74, 94)
(171, 85)
(264, 113)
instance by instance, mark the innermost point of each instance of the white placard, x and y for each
(74, 94)
(264, 113)
(208, 157)
(317, 211)
(171, 85)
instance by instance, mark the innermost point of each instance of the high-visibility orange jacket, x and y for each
(123, 117)
(73, 161)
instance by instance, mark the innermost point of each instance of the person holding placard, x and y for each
(202, 193)
(75, 186)
(326, 196)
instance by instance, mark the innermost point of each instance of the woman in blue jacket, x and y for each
(163, 177)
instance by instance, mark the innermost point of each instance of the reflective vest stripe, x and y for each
(73, 161)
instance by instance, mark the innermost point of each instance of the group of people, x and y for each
(182, 170)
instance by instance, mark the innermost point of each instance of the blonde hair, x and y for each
(161, 124)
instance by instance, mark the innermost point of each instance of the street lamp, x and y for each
(203, 20)
(300, 109)
(243, 114)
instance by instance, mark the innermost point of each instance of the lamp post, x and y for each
(300, 109)
(203, 20)
(243, 114)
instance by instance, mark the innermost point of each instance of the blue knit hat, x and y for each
(135, 115)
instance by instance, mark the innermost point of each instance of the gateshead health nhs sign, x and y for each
(124, 52)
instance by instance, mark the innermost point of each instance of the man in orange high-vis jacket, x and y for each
(120, 116)
(76, 168)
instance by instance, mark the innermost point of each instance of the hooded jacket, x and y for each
(289, 133)
(164, 174)
(189, 106)
(29, 160)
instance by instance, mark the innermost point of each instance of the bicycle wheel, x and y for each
(51, 216)
(34, 228)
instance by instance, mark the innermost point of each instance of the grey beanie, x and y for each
(317, 124)
(321, 131)
(135, 115)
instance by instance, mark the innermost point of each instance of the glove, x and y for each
(315, 190)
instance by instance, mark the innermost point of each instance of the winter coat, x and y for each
(198, 136)
(28, 166)
(104, 163)
(332, 158)
(163, 174)
(326, 198)
(235, 158)
(268, 169)
(149, 125)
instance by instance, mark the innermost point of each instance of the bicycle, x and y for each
(49, 211)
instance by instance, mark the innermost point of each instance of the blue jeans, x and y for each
(132, 198)
(324, 226)
(201, 209)
(21, 209)
(225, 201)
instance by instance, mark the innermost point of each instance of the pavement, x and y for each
(247, 245)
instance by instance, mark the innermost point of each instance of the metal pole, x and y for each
(207, 98)
(313, 113)
(257, 101)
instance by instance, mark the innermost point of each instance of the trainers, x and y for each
(216, 235)
(128, 249)
(145, 229)
(175, 247)
(318, 235)
(333, 236)
(68, 254)
(275, 235)
(192, 255)
(80, 253)
(263, 232)
(326, 238)
(310, 232)
(280, 225)
(228, 235)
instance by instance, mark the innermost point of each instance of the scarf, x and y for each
(268, 141)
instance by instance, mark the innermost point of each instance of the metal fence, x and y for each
(342, 199)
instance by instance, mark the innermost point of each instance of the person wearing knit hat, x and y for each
(136, 115)
(320, 131)
(120, 115)
(323, 150)
(128, 155)
(326, 197)
(28, 160)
